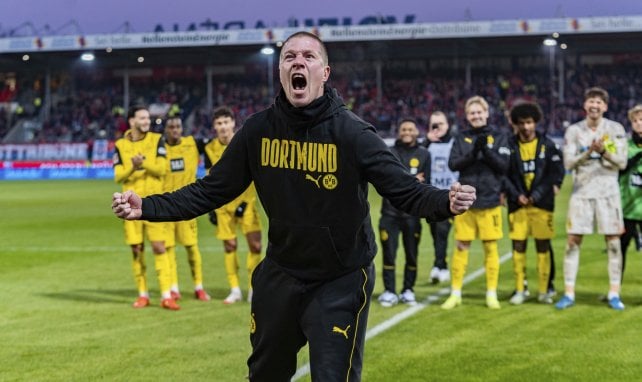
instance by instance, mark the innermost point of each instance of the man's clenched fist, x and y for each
(127, 205)
(462, 197)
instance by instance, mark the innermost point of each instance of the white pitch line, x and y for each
(406, 313)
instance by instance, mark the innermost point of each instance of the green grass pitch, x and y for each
(66, 288)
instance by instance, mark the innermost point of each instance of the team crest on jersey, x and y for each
(489, 141)
(414, 163)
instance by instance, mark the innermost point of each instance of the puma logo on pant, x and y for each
(336, 329)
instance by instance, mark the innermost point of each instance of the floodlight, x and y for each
(87, 57)
(268, 50)
(550, 42)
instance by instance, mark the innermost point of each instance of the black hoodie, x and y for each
(483, 167)
(311, 167)
(417, 160)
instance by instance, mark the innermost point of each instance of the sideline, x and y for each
(409, 312)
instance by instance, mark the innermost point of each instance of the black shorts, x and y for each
(331, 315)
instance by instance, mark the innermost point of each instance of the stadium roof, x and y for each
(625, 43)
(76, 17)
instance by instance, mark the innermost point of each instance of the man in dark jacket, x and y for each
(534, 178)
(439, 141)
(630, 180)
(481, 155)
(311, 160)
(417, 160)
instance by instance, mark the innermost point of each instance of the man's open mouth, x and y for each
(298, 81)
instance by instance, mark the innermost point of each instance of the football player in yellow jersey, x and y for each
(241, 211)
(182, 163)
(481, 156)
(534, 178)
(139, 165)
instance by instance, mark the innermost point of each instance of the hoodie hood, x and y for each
(320, 109)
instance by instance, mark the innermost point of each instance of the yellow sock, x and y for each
(543, 270)
(161, 261)
(195, 264)
(253, 259)
(140, 273)
(458, 268)
(519, 265)
(491, 263)
(173, 269)
(232, 269)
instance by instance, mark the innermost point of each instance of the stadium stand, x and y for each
(87, 103)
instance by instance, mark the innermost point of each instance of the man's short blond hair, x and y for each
(634, 110)
(478, 100)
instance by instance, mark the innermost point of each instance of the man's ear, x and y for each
(326, 74)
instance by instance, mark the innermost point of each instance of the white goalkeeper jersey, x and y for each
(594, 176)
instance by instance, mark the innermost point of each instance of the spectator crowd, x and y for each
(91, 105)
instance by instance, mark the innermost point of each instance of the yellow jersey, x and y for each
(182, 164)
(527, 151)
(214, 150)
(148, 179)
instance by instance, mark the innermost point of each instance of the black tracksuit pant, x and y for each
(631, 228)
(440, 231)
(331, 315)
(389, 229)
